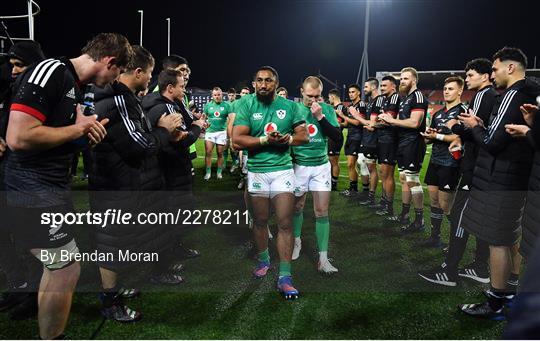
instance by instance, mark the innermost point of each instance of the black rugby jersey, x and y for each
(50, 92)
(413, 102)
(387, 133)
(440, 155)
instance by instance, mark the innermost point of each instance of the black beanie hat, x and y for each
(28, 51)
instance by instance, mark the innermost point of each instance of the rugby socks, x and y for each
(284, 269)
(437, 215)
(496, 298)
(219, 169)
(208, 170)
(225, 157)
(418, 216)
(512, 283)
(365, 187)
(264, 256)
(108, 296)
(353, 186)
(322, 231)
(298, 221)
(405, 208)
(334, 183)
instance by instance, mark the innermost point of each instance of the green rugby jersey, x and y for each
(315, 152)
(217, 115)
(282, 116)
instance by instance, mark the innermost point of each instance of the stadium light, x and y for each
(30, 20)
(364, 64)
(141, 35)
(168, 36)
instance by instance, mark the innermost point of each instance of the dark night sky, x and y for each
(225, 41)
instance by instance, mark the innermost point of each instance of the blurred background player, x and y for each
(334, 150)
(217, 112)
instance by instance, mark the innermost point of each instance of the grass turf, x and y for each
(376, 294)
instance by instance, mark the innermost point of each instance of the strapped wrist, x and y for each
(263, 140)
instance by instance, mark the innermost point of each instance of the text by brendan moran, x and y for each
(47, 256)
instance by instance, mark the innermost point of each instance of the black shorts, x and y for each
(369, 152)
(410, 156)
(352, 147)
(386, 153)
(34, 228)
(444, 177)
(334, 148)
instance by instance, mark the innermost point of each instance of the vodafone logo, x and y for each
(312, 130)
(269, 127)
(216, 114)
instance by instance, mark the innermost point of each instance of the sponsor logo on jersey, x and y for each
(281, 114)
(312, 129)
(270, 127)
(221, 108)
(216, 114)
(71, 93)
(257, 116)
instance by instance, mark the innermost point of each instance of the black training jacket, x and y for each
(502, 170)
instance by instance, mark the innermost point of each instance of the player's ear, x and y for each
(110, 61)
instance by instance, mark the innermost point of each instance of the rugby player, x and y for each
(44, 121)
(442, 175)
(387, 145)
(267, 125)
(410, 122)
(231, 97)
(370, 137)
(281, 91)
(500, 181)
(312, 170)
(478, 73)
(354, 137)
(334, 150)
(217, 112)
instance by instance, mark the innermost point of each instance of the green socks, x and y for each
(284, 269)
(264, 256)
(298, 221)
(208, 170)
(322, 231)
(225, 157)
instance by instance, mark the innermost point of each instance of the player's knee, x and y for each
(299, 207)
(58, 258)
(416, 188)
(284, 224)
(320, 212)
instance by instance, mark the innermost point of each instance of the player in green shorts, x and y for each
(267, 125)
(312, 170)
(217, 112)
